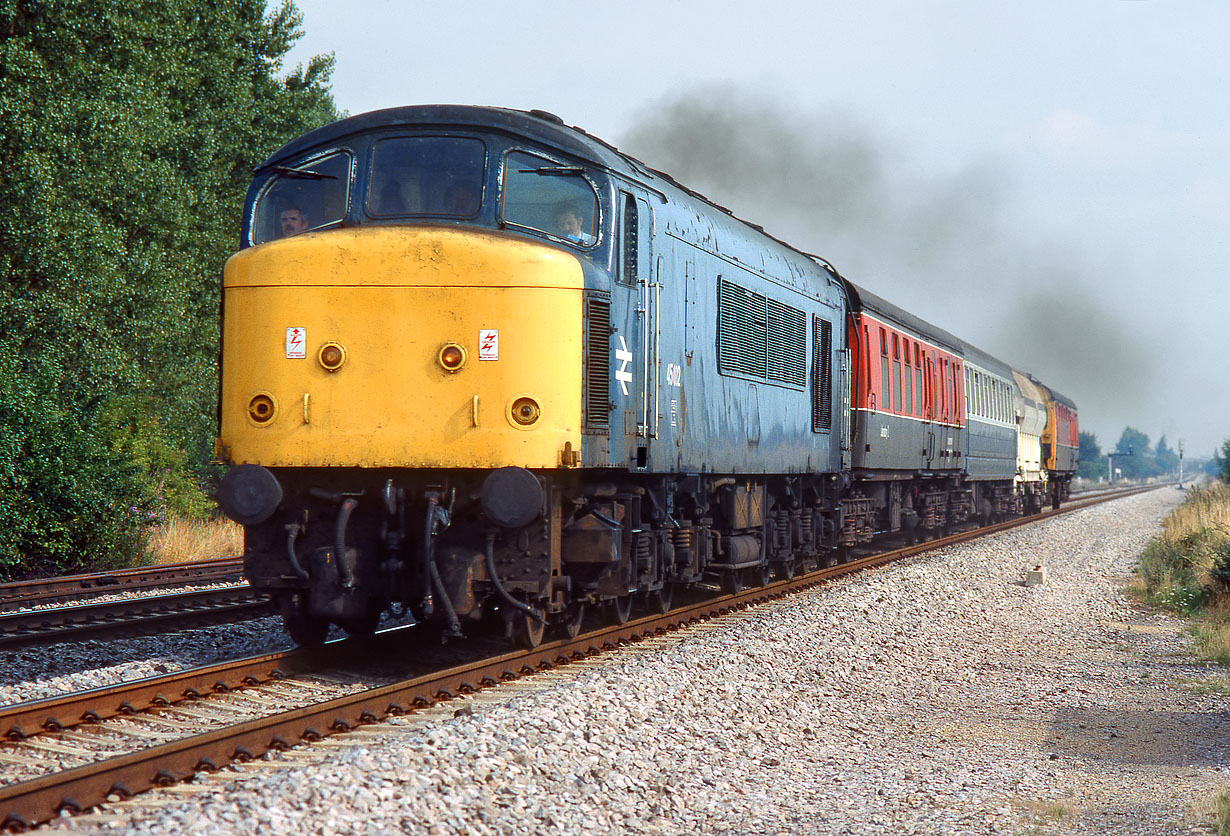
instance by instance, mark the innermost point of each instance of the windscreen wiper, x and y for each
(555, 170)
(302, 173)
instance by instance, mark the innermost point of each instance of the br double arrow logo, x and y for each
(624, 356)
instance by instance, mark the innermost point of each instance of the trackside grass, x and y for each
(1186, 570)
(182, 538)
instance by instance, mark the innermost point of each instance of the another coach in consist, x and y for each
(440, 398)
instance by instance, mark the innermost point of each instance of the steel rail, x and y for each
(22, 720)
(48, 590)
(32, 802)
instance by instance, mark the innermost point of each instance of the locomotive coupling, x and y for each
(249, 494)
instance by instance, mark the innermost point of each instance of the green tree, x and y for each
(1166, 458)
(1220, 465)
(1140, 463)
(128, 129)
(1092, 462)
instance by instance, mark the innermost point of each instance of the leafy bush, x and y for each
(127, 134)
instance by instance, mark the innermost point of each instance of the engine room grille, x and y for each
(597, 362)
(822, 368)
(760, 337)
(787, 344)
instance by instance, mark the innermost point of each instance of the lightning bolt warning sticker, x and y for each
(296, 343)
(488, 344)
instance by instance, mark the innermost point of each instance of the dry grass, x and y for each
(1206, 508)
(1222, 803)
(181, 539)
(1186, 569)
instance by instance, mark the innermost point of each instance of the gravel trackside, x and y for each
(936, 696)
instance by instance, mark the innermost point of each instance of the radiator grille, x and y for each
(822, 368)
(760, 337)
(597, 363)
(787, 344)
(742, 316)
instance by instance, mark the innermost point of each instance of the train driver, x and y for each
(292, 221)
(571, 224)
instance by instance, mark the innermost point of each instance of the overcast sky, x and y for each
(1049, 180)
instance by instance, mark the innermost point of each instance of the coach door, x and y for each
(929, 411)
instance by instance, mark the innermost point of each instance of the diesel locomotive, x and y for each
(480, 364)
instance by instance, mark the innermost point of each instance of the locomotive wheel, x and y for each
(785, 570)
(527, 631)
(660, 600)
(306, 630)
(732, 581)
(619, 610)
(574, 617)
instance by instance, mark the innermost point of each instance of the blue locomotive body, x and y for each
(726, 407)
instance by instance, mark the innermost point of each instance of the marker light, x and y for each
(331, 356)
(451, 357)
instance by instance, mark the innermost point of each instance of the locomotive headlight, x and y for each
(331, 356)
(451, 357)
(524, 412)
(262, 408)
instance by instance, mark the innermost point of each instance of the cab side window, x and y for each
(303, 197)
(547, 197)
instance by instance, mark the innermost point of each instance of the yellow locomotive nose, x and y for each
(406, 347)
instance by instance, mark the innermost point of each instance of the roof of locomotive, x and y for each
(1066, 401)
(539, 125)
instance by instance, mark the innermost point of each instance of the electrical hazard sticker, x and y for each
(488, 344)
(296, 343)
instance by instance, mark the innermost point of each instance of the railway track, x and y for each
(132, 616)
(160, 762)
(18, 594)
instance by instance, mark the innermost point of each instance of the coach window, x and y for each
(865, 353)
(309, 195)
(549, 197)
(949, 402)
(918, 379)
(906, 381)
(896, 373)
(884, 401)
(435, 176)
(952, 381)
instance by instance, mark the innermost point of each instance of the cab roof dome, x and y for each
(538, 125)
